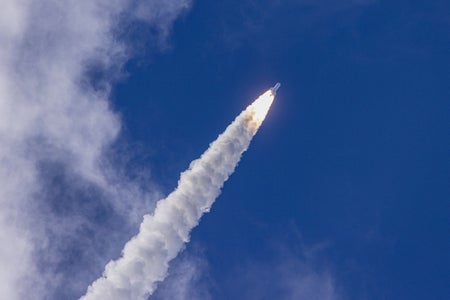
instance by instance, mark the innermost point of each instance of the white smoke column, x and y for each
(162, 235)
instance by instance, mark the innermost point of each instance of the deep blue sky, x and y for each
(351, 163)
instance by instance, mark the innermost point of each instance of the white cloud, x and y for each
(52, 121)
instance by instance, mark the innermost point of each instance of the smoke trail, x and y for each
(145, 258)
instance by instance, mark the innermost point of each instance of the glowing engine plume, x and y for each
(162, 235)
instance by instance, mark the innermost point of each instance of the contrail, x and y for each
(162, 235)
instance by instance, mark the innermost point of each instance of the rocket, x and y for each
(275, 88)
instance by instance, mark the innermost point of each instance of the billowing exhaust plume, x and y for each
(162, 235)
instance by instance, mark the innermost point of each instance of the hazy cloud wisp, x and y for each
(53, 121)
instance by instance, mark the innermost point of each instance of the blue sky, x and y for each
(351, 161)
(343, 193)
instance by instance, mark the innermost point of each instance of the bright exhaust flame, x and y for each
(260, 107)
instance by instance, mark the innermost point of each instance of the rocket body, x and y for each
(275, 88)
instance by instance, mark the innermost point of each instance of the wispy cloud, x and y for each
(289, 277)
(188, 277)
(59, 189)
(291, 270)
